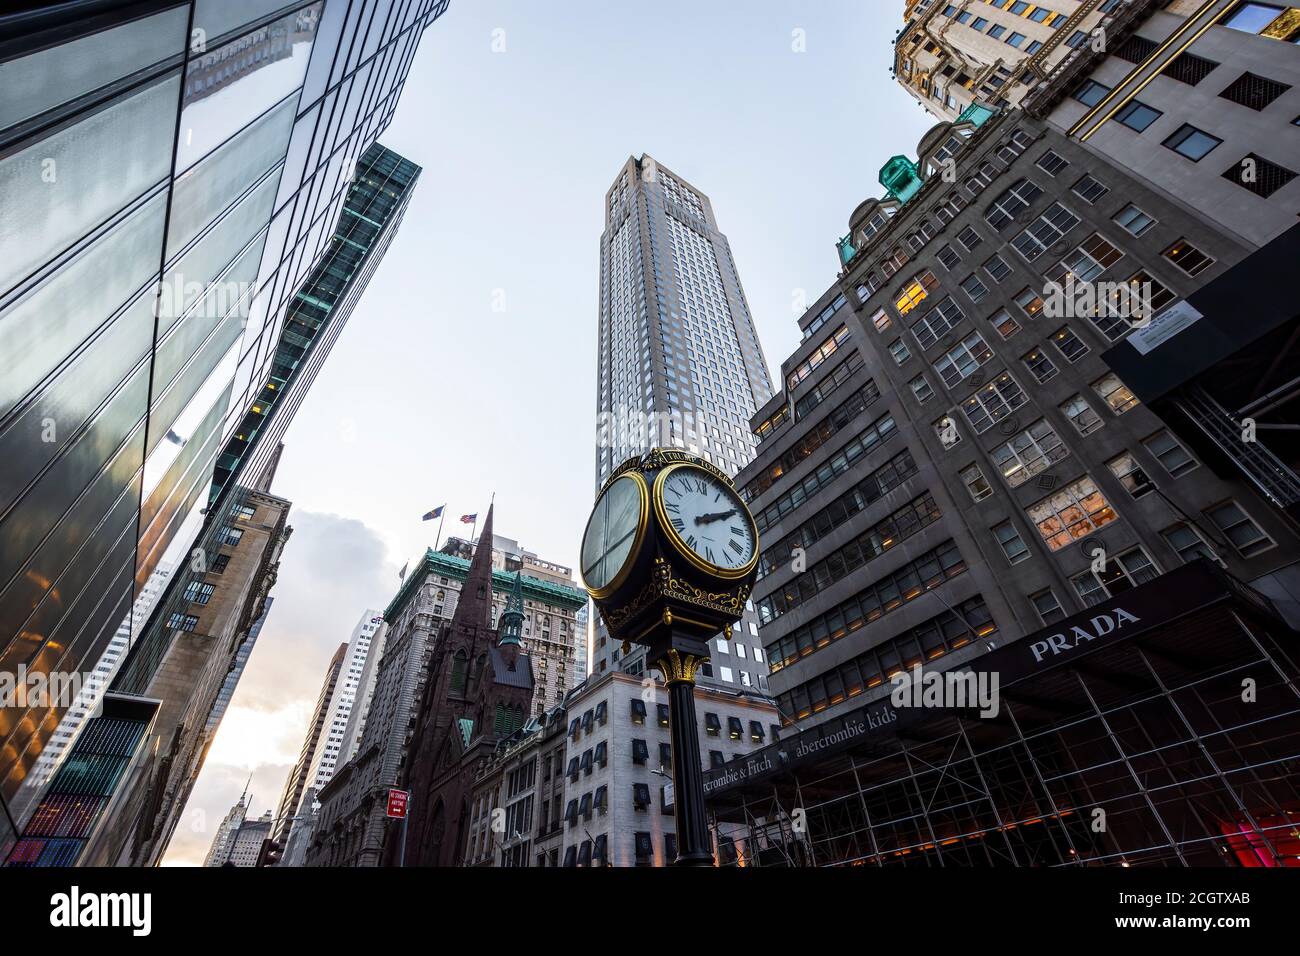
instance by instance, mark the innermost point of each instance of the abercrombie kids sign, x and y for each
(1190, 588)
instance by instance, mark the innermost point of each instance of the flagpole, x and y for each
(441, 518)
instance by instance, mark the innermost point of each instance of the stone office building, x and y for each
(951, 464)
(524, 780)
(618, 808)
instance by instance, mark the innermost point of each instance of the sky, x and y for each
(468, 368)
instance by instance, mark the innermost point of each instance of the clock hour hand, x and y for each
(717, 516)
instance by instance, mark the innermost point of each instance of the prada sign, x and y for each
(1063, 642)
(1191, 588)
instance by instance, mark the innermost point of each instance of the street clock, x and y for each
(670, 556)
(670, 544)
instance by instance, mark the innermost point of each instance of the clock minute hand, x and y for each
(718, 516)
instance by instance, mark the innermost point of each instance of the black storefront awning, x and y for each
(1238, 308)
(1192, 590)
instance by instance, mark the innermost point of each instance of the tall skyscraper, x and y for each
(342, 700)
(679, 361)
(297, 782)
(142, 299)
(219, 852)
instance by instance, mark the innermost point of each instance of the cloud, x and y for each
(332, 569)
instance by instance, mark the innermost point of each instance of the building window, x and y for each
(898, 349)
(975, 482)
(641, 796)
(1118, 574)
(712, 726)
(1048, 607)
(1265, 177)
(716, 759)
(735, 729)
(974, 288)
(182, 622)
(1039, 365)
(1074, 512)
(1047, 230)
(638, 710)
(963, 359)
(1090, 92)
(245, 513)
(1011, 203)
(662, 711)
(997, 268)
(1189, 544)
(1189, 68)
(1115, 393)
(949, 257)
(937, 322)
(921, 389)
(1081, 414)
(1029, 453)
(993, 402)
(1051, 163)
(1134, 221)
(1136, 115)
(969, 238)
(1090, 189)
(640, 753)
(198, 593)
(1254, 92)
(1131, 475)
(1068, 344)
(1170, 453)
(1187, 257)
(915, 292)
(1013, 546)
(1253, 17)
(1192, 143)
(1093, 257)
(229, 536)
(725, 674)
(946, 429)
(881, 320)
(1246, 536)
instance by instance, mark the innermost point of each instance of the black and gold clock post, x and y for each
(669, 556)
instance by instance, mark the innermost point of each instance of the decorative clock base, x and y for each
(678, 663)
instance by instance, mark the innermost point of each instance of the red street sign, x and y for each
(397, 803)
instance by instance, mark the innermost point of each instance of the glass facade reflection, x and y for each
(170, 176)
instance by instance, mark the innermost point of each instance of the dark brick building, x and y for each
(479, 690)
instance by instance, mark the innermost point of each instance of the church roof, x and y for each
(466, 730)
(521, 676)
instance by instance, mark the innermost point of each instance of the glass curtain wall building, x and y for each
(170, 174)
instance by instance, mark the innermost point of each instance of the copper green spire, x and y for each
(511, 624)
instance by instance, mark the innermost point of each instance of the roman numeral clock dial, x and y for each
(706, 520)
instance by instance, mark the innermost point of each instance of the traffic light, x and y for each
(270, 853)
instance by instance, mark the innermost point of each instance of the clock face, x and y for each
(612, 532)
(708, 519)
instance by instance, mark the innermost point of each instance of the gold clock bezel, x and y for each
(682, 548)
(637, 542)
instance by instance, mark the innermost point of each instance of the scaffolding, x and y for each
(1176, 747)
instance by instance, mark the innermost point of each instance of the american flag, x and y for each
(468, 519)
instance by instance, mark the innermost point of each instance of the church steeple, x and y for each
(511, 624)
(475, 604)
